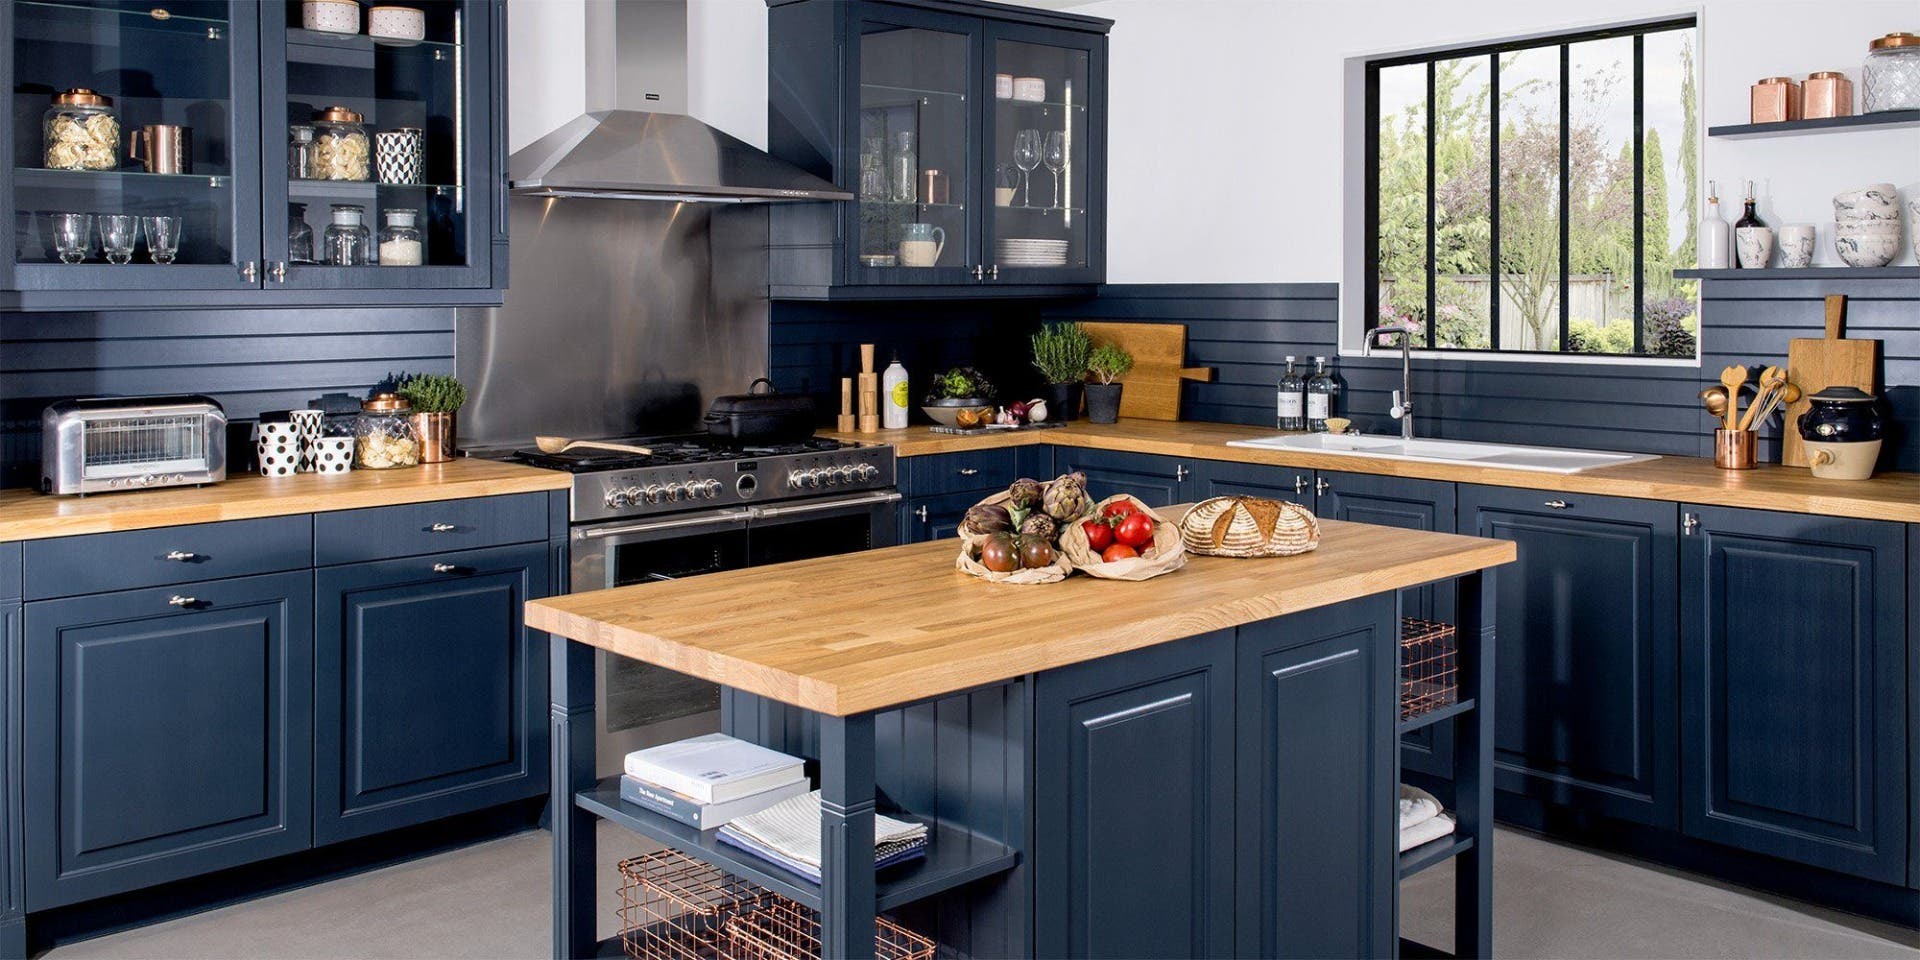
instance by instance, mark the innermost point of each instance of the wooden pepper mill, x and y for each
(869, 392)
(846, 422)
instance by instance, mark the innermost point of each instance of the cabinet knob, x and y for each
(921, 512)
(1179, 471)
(1691, 524)
(1299, 484)
(442, 528)
(250, 271)
(979, 272)
(1321, 486)
(1558, 504)
(446, 568)
(179, 601)
(278, 271)
(993, 272)
(969, 471)
(182, 556)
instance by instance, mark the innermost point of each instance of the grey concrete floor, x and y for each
(490, 900)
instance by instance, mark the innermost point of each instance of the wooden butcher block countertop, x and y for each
(1888, 496)
(28, 515)
(864, 631)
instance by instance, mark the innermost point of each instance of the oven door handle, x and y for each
(799, 509)
(725, 518)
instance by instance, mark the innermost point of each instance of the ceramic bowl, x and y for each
(947, 412)
(331, 16)
(1859, 247)
(396, 26)
(1796, 245)
(1875, 201)
(1913, 224)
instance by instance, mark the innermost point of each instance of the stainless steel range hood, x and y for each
(633, 144)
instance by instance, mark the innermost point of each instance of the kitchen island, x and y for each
(1199, 764)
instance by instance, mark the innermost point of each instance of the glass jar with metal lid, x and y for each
(348, 244)
(341, 150)
(383, 436)
(1890, 80)
(81, 131)
(401, 244)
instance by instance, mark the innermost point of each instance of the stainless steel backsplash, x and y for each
(621, 318)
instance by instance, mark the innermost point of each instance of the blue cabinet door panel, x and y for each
(169, 733)
(1795, 695)
(9, 571)
(937, 517)
(1134, 804)
(985, 470)
(428, 689)
(1586, 695)
(1155, 480)
(12, 856)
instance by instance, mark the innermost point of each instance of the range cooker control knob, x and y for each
(847, 474)
(709, 488)
(866, 471)
(617, 498)
(812, 478)
(654, 494)
(677, 492)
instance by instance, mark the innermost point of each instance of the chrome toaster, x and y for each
(100, 444)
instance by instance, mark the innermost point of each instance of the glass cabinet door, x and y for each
(375, 170)
(134, 162)
(1043, 132)
(915, 155)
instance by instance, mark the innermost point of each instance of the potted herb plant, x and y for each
(1060, 352)
(1108, 363)
(435, 398)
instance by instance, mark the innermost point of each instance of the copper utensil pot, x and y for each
(435, 431)
(162, 147)
(1735, 449)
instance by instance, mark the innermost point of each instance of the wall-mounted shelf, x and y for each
(1788, 128)
(1804, 273)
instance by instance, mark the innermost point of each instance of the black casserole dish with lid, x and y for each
(760, 416)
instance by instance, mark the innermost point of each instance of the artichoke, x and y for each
(986, 518)
(1038, 525)
(1024, 494)
(1066, 497)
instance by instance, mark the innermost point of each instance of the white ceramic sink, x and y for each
(1500, 456)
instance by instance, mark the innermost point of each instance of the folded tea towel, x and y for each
(1416, 806)
(1426, 831)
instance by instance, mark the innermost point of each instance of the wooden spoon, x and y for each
(1733, 378)
(562, 445)
(1772, 381)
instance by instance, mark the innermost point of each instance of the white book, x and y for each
(714, 768)
(703, 816)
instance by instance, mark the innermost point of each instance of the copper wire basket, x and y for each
(1429, 666)
(785, 930)
(673, 907)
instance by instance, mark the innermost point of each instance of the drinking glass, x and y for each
(118, 232)
(1026, 156)
(1054, 155)
(163, 237)
(72, 236)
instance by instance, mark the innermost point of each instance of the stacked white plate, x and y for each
(1027, 252)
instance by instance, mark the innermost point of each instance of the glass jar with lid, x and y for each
(81, 131)
(401, 244)
(300, 151)
(347, 240)
(1890, 80)
(299, 234)
(383, 436)
(341, 150)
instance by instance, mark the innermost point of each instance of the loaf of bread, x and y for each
(1249, 527)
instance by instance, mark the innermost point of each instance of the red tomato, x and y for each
(1119, 509)
(1135, 531)
(1099, 535)
(1118, 551)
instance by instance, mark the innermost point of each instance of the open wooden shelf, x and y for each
(954, 857)
(1887, 119)
(1432, 852)
(1803, 273)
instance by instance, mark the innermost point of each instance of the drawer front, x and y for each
(350, 536)
(957, 472)
(104, 562)
(9, 571)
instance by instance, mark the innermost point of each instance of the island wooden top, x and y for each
(1888, 496)
(864, 631)
(28, 515)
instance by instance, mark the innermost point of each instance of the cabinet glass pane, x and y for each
(147, 78)
(374, 141)
(1040, 127)
(913, 182)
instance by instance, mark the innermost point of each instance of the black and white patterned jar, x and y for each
(332, 455)
(306, 424)
(278, 448)
(399, 155)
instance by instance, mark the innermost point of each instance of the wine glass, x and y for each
(1054, 155)
(1026, 156)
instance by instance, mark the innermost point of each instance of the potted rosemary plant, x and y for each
(1108, 364)
(435, 397)
(1060, 352)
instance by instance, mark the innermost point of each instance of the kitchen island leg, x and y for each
(571, 725)
(846, 837)
(1473, 802)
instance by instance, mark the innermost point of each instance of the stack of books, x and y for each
(707, 781)
(788, 834)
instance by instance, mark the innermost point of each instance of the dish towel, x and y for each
(1416, 806)
(1426, 831)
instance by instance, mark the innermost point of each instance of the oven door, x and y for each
(822, 528)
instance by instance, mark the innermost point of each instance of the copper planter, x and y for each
(435, 431)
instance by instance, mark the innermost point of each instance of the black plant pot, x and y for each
(1063, 401)
(1103, 402)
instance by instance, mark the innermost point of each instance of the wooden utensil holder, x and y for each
(1735, 449)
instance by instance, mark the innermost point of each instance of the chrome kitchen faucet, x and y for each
(1402, 409)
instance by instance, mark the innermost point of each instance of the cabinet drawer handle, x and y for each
(1179, 472)
(182, 556)
(1321, 486)
(921, 512)
(1558, 504)
(446, 568)
(442, 528)
(179, 601)
(1691, 524)
(969, 471)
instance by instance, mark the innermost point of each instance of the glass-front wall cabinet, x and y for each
(1040, 225)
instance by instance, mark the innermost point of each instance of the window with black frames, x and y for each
(1535, 196)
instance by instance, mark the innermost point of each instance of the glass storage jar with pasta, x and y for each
(81, 131)
(383, 436)
(341, 150)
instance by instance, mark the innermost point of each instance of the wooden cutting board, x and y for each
(1159, 364)
(1815, 365)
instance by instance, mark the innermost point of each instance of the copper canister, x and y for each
(1775, 99)
(1735, 449)
(1827, 94)
(933, 187)
(436, 434)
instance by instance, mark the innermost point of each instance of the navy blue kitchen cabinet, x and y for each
(1588, 649)
(1222, 478)
(427, 688)
(1134, 796)
(1155, 480)
(1794, 688)
(13, 924)
(237, 74)
(936, 517)
(169, 733)
(940, 487)
(848, 79)
(1308, 849)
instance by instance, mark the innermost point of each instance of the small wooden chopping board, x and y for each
(1159, 364)
(1815, 365)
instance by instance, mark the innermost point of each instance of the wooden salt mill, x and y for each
(846, 422)
(869, 392)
